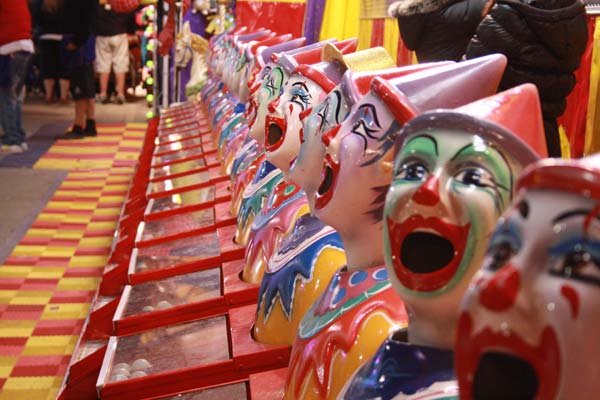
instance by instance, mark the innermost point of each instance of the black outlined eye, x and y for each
(413, 171)
(475, 176)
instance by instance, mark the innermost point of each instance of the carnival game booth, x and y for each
(278, 224)
(174, 275)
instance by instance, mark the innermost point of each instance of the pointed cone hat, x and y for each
(355, 85)
(257, 35)
(271, 41)
(264, 53)
(446, 86)
(580, 176)
(511, 119)
(335, 63)
(289, 62)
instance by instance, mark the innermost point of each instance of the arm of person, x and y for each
(411, 29)
(467, 13)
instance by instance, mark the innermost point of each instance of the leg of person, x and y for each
(77, 92)
(103, 62)
(22, 134)
(64, 90)
(552, 137)
(49, 51)
(12, 102)
(8, 104)
(90, 106)
(90, 122)
(49, 89)
(121, 64)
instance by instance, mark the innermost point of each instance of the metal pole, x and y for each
(165, 75)
(158, 65)
(178, 29)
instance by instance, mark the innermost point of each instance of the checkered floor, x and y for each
(48, 281)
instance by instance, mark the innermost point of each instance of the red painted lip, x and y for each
(426, 282)
(544, 358)
(322, 199)
(282, 124)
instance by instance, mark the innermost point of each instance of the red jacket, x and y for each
(15, 21)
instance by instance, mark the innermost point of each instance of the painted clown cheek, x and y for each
(572, 297)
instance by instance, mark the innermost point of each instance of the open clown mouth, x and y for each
(426, 252)
(327, 186)
(501, 365)
(275, 129)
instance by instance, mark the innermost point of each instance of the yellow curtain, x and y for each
(391, 37)
(340, 19)
(364, 37)
(592, 129)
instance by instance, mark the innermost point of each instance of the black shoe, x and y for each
(90, 128)
(75, 133)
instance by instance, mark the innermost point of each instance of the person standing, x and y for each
(543, 41)
(78, 56)
(50, 20)
(112, 49)
(16, 48)
(438, 30)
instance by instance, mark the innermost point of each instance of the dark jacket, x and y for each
(79, 16)
(438, 30)
(543, 41)
(50, 21)
(110, 23)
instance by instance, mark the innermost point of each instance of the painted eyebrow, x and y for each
(373, 111)
(571, 214)
(338, 105)
(302, 85)
(431, 138)
(459, 152)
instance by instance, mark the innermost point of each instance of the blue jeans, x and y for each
(11, 97)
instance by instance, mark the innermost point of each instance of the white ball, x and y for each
(140, 364)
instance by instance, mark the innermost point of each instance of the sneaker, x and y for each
(75, 133)
(102, 99)
(11, 148)
(120, 100)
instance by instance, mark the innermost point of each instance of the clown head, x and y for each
(305, 87)
(236, 55)
(305, 170)
(528, 325)
(453, 177)
(261, 55)
(278, 73)
(249, 63)
(357, 169)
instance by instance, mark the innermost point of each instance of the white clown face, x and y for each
(328, 114)
(284, 124)
(448, 190)
(529, 326)
(262, 97)
(357, 168)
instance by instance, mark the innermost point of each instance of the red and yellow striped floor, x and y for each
(48, 282)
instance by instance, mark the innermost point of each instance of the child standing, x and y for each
(79, 53)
